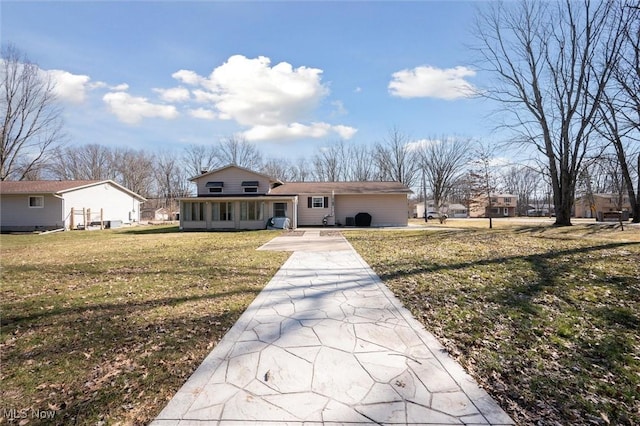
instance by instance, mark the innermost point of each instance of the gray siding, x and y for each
(16, 215)
(232, 178)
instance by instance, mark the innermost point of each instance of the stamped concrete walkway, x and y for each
(326, 343)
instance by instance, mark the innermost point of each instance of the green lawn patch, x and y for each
(546, 319)
(104, 327)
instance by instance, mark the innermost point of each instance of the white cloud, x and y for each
(120, 87)
(339, 108)
(188, 77)
(296, 131)
(69, 87)
(205, 114)
(175, 94)
(345, 132)
(272, 101)
(132, 109)
(430, 82)
(422, 143)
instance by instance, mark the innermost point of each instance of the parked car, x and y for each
(433, 215)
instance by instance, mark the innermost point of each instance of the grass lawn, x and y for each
(546, 319)
(104, 327)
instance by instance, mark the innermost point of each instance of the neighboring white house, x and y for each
(233, 197)
(451, 210)
(46, 205)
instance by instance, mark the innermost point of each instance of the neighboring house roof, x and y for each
(56, 186)
(370, 187)
(234, 166)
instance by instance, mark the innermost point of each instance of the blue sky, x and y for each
(290, 77)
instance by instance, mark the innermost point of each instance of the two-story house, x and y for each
(502, 205)
(233, 197)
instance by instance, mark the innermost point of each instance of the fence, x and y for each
(84, 218)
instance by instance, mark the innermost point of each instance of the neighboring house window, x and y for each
(507, 200)
(494, 201)
(36, 201)
(251, 210)
(318, 202)
(193, 211)
(250, 186)
(222, 211)
(215, 190)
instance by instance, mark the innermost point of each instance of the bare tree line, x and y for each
(567, 74)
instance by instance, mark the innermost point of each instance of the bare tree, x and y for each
(551, 62)
(619, 119)
(198, 158)
(134, 170)
(396, 160)
(443, 162)
(237, 150)
(171, 179)
(301, 170)
(32, 125)
(522, 181)
(483, 180)
(329, 164)
(91, 161)
(360, 163)
(278, 168)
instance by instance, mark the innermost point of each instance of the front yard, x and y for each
(546, 319)
(104, 327)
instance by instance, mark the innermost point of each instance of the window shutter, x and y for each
(309, 201)
(326, 202)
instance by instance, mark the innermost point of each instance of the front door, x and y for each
(280, 209)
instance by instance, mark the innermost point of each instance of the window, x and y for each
(280, 209)
(36, 201)
(222, 211)
(214, 187)
(193, 211)
(251, 210)
(507, 200)
(318, 202)
(250, 186)
(494, 201)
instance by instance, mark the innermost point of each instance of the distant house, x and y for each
(47, 205)
(451, 210)
(156, 214)
(502, 205)
(233, 197)
(595, 205)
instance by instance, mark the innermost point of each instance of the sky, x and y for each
(289, 76)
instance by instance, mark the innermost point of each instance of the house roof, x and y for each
(370, 187)
(237, 167)
(56, 186)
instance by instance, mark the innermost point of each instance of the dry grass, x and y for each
(104, 327)
(546, 319)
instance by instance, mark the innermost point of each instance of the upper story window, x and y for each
(249, 186)
(214, 187)
(36, 201)
(507, 200)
